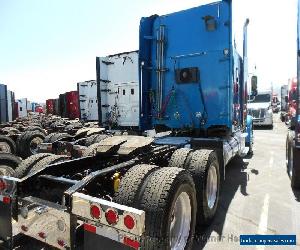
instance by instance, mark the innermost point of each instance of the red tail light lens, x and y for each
(61, 243)
(3, 185)
(24, 228)
(95, 211)
(42, 235)
(112, 216)
(129, 222)
(6, 200)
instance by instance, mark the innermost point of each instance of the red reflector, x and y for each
(3, 185)
(89, 228)
(61, 243)
(132, 243)
(6, 199)
(95, 212)
(24, 228)
(42, 235)
(111, 217)
(129, 222)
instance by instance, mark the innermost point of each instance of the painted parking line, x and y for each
(263, 222)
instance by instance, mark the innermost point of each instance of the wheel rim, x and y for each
(4, 147)
(291, 165)
(212, 186)
(4, 171)
(34, 145)
(180, 222)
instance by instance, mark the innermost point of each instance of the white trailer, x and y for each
(118, 89)
(88, 100)
(10, 105)
(22, 106)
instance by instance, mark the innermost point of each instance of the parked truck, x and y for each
(260, 108)
(88, 100)
(22, 107)
(118, 93)
(292, 100)
(72, 100)
(50, 106)
(284, 102)
(141, 191)
(293, 136)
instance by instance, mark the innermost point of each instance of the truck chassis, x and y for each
(55, 204)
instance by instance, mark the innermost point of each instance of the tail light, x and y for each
(24, 228)
(6, 200)
(95, 212)
(112, 216)
(42, 235)
(61, 243)
(129, 222)
(132, 243)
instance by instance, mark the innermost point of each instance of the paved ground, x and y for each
(256, 196)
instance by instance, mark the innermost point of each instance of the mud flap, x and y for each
(6, 231)
(92, 241)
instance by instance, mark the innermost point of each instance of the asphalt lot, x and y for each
(256, 196)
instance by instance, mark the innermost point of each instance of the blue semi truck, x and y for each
(141, 191)
(293, 137)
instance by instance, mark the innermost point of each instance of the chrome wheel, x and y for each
(4, 147)
(34, 145)
(180, 222)
(212, 186)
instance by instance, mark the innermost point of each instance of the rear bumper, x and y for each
(53, 225)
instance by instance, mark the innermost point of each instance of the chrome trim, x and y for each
(81, 204)
(41, 216)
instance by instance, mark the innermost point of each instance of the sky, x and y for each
(47, 46)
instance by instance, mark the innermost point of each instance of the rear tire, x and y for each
(28, 143)
(7, 171)
(204, 167)
(293, 173)
(95, 139)
(180, 158)
(132, 184)
(169, 201)
(91, 150)
(59, 136)
(48, 138)
(24, 167)
(7, 145)
(8, 162)
(47, 161)
(35, 128)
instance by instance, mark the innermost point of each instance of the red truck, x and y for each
(49, 106)
(293, 136)
(292, 99)
(72, 104)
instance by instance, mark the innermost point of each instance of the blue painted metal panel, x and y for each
(187, 42)
(249, 130)
(3, 103)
